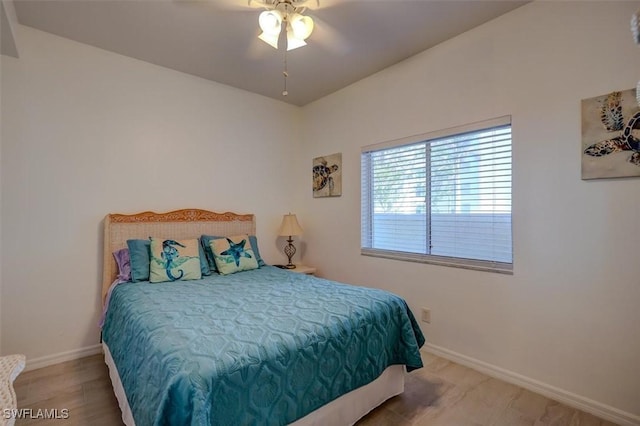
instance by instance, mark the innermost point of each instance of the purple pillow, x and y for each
(124, 264)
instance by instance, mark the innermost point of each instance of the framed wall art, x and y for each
(327, 176)
(611, 136)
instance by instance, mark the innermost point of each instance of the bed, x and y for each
(261, 346)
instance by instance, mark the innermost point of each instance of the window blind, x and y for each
(445, 200)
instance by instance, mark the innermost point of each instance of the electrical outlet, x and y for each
(426, 315)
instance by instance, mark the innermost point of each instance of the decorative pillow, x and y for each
(233, 254)
(173, 260)
(139, 255)
(206, 244)
(254, 245)
(205, 240)
(124, 264)
(204, 265)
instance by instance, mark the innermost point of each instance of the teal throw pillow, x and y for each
(204, 265)
(139, 259)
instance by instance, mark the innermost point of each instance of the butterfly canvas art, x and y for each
(611, 136)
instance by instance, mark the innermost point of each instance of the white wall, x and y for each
(86, 132)
(7, 47)
(1, 127)
(569, 316)
(1, 353)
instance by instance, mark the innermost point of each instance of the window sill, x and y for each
(476, 265)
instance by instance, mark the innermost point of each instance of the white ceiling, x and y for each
(217, 39)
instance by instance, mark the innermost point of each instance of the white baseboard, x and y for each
(45, 361)
(596, 408)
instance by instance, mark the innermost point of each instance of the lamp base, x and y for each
(290, 250)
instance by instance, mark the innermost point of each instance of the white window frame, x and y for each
(367, 207)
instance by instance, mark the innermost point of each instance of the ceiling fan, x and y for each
(297, 26)
(287, 17)
(289, 12)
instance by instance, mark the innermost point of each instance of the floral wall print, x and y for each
(611, 136)
(327, 176)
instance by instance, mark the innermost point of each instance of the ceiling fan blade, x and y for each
(262, 4)
(321, 4)
(247, 5)
(226, 5)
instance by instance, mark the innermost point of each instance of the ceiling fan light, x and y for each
(302, 26)
(270, 21)
(294, 42)
(270, 39)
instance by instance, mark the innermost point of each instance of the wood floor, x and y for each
(441, 393)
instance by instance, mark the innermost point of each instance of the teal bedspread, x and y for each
(258, 347)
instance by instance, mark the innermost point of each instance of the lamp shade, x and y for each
(270, 39)
(289, 226)
(294, 42)
(302, 26)
(270, 21)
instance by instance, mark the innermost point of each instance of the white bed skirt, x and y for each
(345, 410)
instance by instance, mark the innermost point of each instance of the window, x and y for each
(441, 198)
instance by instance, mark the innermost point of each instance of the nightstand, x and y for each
(302, 269)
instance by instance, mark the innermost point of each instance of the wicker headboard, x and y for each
(179, 224)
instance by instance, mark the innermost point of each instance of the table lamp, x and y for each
(290, 227)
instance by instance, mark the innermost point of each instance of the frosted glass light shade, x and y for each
(302, 26)
(270, 39)
(294, 42)
(270, 21)
(298, 28)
